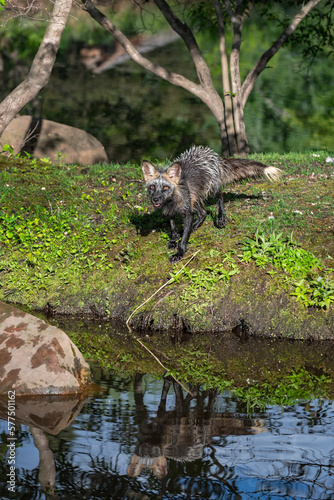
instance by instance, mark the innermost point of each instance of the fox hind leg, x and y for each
(201, 216)
(221, 220)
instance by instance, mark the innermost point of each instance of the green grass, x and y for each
(312, 284)
(69, 233)
(58, 222)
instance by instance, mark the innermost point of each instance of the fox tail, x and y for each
(235, 169)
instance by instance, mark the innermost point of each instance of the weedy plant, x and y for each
(205, 279)
(302, 269)
(60, 222)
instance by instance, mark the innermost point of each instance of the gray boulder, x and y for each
(37, 358)
(45, 139)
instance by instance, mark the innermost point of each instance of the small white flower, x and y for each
(316, 155)
(298, 212)
(43, 189)
(329, 159)
(271, 216)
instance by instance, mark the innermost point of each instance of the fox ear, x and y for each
(149, 171)
(174, 172)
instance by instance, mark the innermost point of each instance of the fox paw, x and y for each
(221, 222)
(172, 245)
(175, 258)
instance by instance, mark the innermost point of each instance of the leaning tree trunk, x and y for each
(261, 64)
(41, 67)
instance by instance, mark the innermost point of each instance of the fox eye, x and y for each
(166, 188)
(152, 188)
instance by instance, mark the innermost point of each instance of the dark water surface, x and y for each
(142, 438)
(136, 115)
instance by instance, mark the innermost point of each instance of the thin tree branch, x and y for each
(141, 305)
(170, 76)
(164, 367)
(163, 286)
(185, 33)
(261, 64)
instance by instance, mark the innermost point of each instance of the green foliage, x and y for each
(7, 148)
(290, 107)
(315, 33)
(298, 385)
(317, 292)
(69, 228)
(302, 268)
(195, 367)
(199, 281)
(26, 36)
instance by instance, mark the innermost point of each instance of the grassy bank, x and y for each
(85, 241)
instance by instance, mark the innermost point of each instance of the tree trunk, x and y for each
(41, 67)
(227, 132)
(47, 467)
(240, 130)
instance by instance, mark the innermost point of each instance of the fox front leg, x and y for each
(182, 248)
(174, 235)
(221, 220)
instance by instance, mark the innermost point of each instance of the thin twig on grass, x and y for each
(157, 291)
(141, 305)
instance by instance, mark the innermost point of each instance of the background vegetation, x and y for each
(135, 114)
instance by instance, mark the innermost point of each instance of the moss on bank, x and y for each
(85, 241)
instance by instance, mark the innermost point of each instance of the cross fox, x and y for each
(194, 176)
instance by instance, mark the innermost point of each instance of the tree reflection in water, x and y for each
(147, 439)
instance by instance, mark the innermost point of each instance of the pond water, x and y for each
(144, 438)
(136, 115)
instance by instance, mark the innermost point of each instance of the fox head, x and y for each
(161, 184)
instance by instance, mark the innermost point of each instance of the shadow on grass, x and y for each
(155, 221)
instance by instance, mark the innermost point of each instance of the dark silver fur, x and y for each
(194, 176)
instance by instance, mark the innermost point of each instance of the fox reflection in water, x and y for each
(182, 433)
